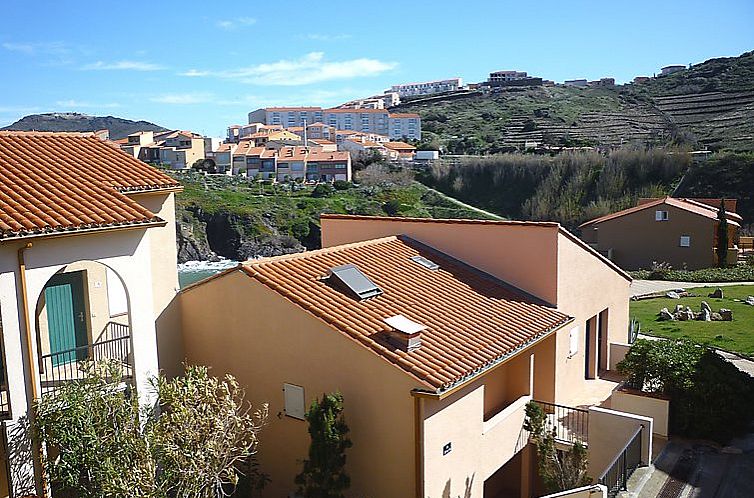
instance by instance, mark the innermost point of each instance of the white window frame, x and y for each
(661, 215)
(573, 342)
(685, 241)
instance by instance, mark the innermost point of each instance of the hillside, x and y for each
(238, 219)
(71, 121)
(710, 105)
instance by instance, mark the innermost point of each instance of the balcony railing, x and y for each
(569, 424)
(615, 478)
(63, 366)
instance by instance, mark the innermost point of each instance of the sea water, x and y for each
(193, 271)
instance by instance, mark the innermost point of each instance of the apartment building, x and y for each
(380, 121)
(312, 163)
(673, 68)
(577, 83)
(87, 270)
(427, 87)
(430, 319)
(506, 76)
(177, 149)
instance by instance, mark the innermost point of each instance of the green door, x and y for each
(66, 321)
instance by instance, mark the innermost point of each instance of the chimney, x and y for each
(404, 333)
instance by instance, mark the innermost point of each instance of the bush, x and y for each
(710, 397)
(738, 273)
(322, 190)
(341, 185)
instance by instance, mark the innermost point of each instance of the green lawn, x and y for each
(737, 335)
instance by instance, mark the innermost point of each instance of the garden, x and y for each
(736, 335)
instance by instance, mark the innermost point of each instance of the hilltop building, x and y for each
(396, 126)
(427, 87)
(673, 68)
(87, 270)
(177, 149)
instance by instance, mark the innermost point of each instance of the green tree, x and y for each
(722, 236)
(560, 470)
(323, 475)
(189, 445)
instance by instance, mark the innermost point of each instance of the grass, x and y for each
(736, 335)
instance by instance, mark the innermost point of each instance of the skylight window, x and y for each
(430, 265)
(350, 279)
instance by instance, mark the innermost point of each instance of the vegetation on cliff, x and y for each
(239, 218)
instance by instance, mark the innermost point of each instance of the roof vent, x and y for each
(350, 279)
(430, 265)
(405, 333)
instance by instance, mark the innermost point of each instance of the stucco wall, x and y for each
(236, 325)
(586, 288)
(164, 258)
(658, 409)
(637, 239)
(609, 431)
(127, 252)
(523, 255)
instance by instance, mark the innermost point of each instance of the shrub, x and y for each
(738, 273)
(341, 185)
(322, 190)
(392, 207)
(710, 397)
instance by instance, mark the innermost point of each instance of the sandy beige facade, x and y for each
(466, 441)
(664, 233)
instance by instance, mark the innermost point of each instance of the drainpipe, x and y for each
(39, 460)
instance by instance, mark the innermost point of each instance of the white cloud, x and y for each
(194, 73)
(231, 24)
(326, 37)
(78, 104)
(311, 68)
(35, 48)
(183, 98)
(122, 66)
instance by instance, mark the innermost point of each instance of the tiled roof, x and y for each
(399, 146)
(56, 182)
(472, 319)
(404, 115)
(684, 204)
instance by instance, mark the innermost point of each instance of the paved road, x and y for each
(644, 287)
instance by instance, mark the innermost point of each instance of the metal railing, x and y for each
(568, 424)
(628, 459)
(64, 366)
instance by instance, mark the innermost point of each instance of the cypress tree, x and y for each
(323, 475)
(722, 236)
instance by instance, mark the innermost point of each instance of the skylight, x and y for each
(431, 265)
(350, 279)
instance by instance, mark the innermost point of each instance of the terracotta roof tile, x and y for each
(473, 320)
(52, 182)
(689, 205)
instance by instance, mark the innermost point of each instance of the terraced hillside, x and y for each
(709, 105)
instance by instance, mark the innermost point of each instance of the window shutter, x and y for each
(294, 401)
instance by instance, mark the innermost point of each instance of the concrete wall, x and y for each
(609, 431)
(618, 352)
(236, 325)
(656, 408)
(637, 239)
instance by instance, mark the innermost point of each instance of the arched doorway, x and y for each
(82, 313)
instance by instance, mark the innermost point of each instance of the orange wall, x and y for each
(236, 325)
(523, 255)
(637, 239)
(585, 288)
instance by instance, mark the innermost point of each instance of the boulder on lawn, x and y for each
(678, 308)
(664, 315)
(716, 317)
(750, 300)
(726, 314)
(706, 315)
(716, 294)
(672, 295)
(689, 313)
(706, 307)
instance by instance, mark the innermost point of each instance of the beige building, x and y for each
(680, 232)
(176, 149)
(87, 270)
(437, 332)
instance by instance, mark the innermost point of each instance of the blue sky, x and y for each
(204, 65)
